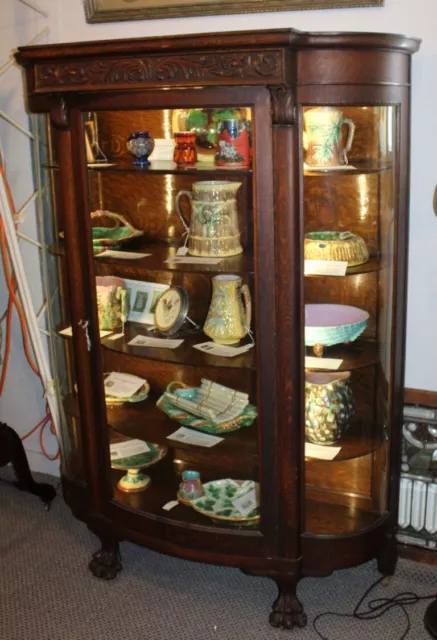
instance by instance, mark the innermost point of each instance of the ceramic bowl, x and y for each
(336, 245)
(329, 324)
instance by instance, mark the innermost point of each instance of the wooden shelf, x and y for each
(183, 355)
(163, 489)
(327, 519)
(360, 167)
(157, 261)
(125, 165)
(145, 421)
(360, 440)
(362, 353)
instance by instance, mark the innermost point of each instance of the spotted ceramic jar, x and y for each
(329, 406)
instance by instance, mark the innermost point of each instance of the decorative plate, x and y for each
(141, 460)
(245, 419)
(217, 503)
(329, 324)
(139, 396)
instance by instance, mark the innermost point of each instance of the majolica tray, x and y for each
(216, 503)
(245, 419)
(121, 232)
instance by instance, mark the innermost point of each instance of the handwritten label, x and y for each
(222, 350)
(170, 505)
(160, 343)
(190, 260)
(182, 251)
(325, 268)
(311, 362)
(322, 452)
(127, 449)
(245, 504)
(194, 437)
(122, 255)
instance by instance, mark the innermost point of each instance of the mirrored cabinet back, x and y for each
(231, 215)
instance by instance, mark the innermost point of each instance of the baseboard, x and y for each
(40, 464)
(419, 396)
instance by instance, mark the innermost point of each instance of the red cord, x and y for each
(13, 300)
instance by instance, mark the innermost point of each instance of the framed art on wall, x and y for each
(117, 10)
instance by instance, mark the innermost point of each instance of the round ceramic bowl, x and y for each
(336, 245)
(329, 324)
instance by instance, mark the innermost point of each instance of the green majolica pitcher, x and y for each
(112, 302)
(228, 319)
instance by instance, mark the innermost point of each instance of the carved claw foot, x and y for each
(287, 610)
(106, 563)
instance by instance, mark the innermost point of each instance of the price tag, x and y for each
(325, 268)
(194, 437)
(322, 452)
(311, 362)
(68, 331)
(222, 350)
(247, 503)
(122, 385)
(182, 251)
(190, 260)
(127, 449)
(161, 343)
(116, 336)
(122, 255)
(170, 505)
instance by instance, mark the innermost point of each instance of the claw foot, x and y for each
(105, 564)
(287, 610)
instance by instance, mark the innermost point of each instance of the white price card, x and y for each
(122, 385)
(68, 331)
(182, 251)
(170, 505)
(325, 268)
(161, 343)
(127, 449)
(222, 350)
(190, 260)
(322, 452)
(122, 255)
(311, 362)
(194, 437)
(116, 336)
(245, 504)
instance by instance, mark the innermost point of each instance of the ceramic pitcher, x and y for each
(322, 139)
(228, 319)
(112, 302)
(213, 230)
(329, 406)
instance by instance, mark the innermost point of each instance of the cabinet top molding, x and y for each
(288, 38)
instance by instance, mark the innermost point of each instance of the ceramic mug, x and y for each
(322, 138)
(112, 302)
(329, 406)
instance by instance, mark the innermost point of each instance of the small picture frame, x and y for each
(143, 297)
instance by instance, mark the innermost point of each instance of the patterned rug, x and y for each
(47, 592)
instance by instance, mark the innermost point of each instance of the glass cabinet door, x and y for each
(350, 218)
(173, 248)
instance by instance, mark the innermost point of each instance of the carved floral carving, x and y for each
(157, 70)
(283, 103)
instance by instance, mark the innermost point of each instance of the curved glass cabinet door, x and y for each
(350, 217)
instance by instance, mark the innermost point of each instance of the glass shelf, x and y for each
(361, 439)
(373, 264)
(355, 355)
(354, 168)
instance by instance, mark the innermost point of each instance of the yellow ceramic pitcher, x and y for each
(228, 319)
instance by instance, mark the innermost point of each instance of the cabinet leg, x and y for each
(106, 562)
(388, 558)
(287, 610)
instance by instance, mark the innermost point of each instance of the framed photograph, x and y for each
(143, 297)
(117, 10)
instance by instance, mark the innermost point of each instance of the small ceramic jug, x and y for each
(233, 143)
(228, 319)
(213, 230)
(190, 488)
(322, 138)
(112, 302)
(329, 406)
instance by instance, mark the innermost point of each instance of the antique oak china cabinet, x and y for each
(294, 162)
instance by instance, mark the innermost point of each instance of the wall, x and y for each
(22, 404)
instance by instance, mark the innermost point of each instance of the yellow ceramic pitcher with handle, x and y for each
(228, 319)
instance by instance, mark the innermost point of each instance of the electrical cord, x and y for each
(377, 608)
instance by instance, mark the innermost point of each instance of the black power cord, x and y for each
(377, 608)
